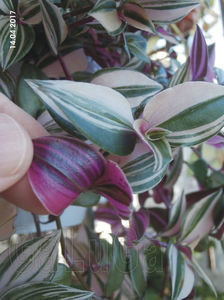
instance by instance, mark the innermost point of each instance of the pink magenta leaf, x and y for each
(63, 168)
(113, 185)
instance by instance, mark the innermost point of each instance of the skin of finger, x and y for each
(21, 193)
(20, 137)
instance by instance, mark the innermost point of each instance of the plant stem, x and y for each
(67, 257)
(37, 225)
(64, 67)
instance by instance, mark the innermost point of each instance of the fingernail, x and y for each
(13, 143)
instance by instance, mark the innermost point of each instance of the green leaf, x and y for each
(24, 39)
(106, 14)
(200, 170)
(7, 84)
(182, 276)
(25, 97)
(33, 260)
(100, 113)
(199, 219)
(87, 199)
(137, 46)
(45, 291)
(54, 25)
(63, 275)
(117, 269)
(136, 272)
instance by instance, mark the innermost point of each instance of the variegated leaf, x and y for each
(182, 276)
(33, 260)
(100, 113)
(156, 141)
(201, 273)
(199, 219)
(175, 170)
(168, 11)
(190, 119)
(29, 11)
(181, 75)
(7, 84)
(137, 17)
(24, 39)
(175, 216)
(63, 168)
(106, 14)
(133, 85)
(7, 217)
(8, 5)
(138, 167)
(54, 25)
(45, 290)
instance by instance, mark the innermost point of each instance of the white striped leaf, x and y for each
(45, 291)
(133, 85)
(181, 75)
(182, 276)
(138, 168)
(8, 5)
(106, 14)
(198, 221)
(7, 84)
(175, 216)
(192, 112)
(137, 17)
(100, 113)
(201, 273)
(168, 11)
(54, 25)
(155, 139)
(23, 43)
(29, 11)
(174, 173)
(33, 260)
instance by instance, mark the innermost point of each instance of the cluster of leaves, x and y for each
(117, 129)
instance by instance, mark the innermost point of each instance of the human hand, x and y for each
(17, 128)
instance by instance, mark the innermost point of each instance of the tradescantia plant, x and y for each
(120, 123)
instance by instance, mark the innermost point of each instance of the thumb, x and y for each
(16, 151)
